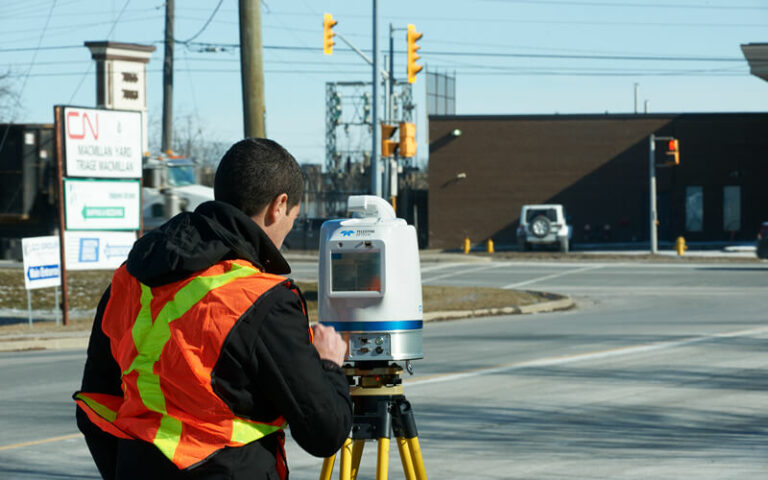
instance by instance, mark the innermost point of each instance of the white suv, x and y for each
(543, 225)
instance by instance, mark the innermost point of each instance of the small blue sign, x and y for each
(42, 272)
(347, 233)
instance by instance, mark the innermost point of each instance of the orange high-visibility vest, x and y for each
(167, 341)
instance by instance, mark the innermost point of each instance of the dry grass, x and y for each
(85, 289)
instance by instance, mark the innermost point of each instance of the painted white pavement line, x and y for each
(460, 272)
(439, 266)
(579, 357)
(671, 290)
(554, 275)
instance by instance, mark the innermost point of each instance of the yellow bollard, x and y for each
(680, 246)
(489, 246)
(466, 245)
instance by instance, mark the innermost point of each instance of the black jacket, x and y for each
(266, 368)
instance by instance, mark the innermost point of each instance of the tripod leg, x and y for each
(327, 471)
(418, 462)
(345, 469)
(357, 453)
(405, 458)
(382, 462)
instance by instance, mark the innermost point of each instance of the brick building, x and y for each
(482, 169)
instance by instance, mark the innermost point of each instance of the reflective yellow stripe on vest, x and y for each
(97, 407)
(244, 431)
(151, 336)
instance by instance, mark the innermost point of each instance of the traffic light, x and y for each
(328, 43)
(413, 68)
(387, 144)
(673, 150)
(407, 139)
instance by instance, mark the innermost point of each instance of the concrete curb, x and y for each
(564, 303)
(45, 343)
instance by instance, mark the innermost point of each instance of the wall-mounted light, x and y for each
(461, 176)
(456, 132)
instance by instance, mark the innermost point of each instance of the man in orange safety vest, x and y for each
(201, 352)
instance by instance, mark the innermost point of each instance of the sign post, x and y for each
(59, 135)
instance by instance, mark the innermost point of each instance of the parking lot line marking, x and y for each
(459, 272)
(40, 442)
(577, 357)
(554, 275)
(440, 266)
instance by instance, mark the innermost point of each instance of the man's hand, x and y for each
(329, 344)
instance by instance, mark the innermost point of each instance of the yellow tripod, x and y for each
(379, 406)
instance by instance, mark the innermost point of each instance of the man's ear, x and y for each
(277, 207)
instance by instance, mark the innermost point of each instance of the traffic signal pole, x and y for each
(672, 149)
(388, 76)
(375, 166)
(376, 176)
(652, 188)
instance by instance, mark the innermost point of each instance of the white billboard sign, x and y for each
(97, 250)
(42, 262)
(102, 204)
(102, 143)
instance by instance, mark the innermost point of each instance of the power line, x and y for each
(585, 57)
(85, 73)
(70, 26)
(207, 22)
(472, 70)
(425, 52)
(684, 58)
(685, 6)
(31, 49)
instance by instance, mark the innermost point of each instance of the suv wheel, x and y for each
(564, 245)
(540, 226)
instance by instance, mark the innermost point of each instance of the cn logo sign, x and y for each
(80, 123)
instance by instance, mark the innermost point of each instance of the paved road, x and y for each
(660, 373)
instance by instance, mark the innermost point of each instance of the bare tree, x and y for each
(9, 98)
(191, 140)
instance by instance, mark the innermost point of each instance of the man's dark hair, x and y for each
(253, 172)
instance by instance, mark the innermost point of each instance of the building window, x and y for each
(694, 209)
(732, 208)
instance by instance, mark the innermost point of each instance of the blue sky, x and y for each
(509, 57)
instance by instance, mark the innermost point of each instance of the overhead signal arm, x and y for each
(328, 43)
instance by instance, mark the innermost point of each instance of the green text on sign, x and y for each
(103, 212)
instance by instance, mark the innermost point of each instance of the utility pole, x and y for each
(252, 69)
(167, 139)
(375, 166)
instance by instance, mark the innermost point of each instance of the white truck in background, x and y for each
(170, 187)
